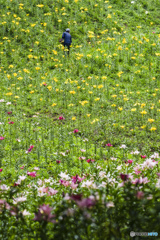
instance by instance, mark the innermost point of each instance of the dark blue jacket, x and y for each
(67, 37)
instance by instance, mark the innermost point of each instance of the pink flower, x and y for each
(130, 161)
(58, 161)
(158, 174)
(90, 160)
(73, 185)
(77, 179)
(124, 177)
(11, 122)
(32, 174)
(52, 191)
(2, 138)
(76, 131)
(143, 156)
(82, 158)
(9, 112)
(22, 167)
(30, 148)
(1, 169)
(44, 214)
(109, 145)
(61, 118)
(140, 195)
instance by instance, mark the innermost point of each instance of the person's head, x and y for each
(67, 30)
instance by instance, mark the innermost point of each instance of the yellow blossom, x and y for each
(143, 112)
(54, 104)
(153, 129)
(150, 120)
(72, 92)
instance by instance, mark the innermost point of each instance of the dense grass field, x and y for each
(79, 135)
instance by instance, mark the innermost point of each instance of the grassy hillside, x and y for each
(91, 111)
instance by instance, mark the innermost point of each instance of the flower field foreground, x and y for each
(79, 136)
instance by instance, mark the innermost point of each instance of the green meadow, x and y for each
(79, 135)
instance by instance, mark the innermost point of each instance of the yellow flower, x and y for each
(100, 86)
(49, 88)
(9, 94)
(31, 91)
(40, 5)
(72, 92)
(16, 96)
(96, 99)
(37, 68)
(120, 108)
(90, 92)
(14, 74)
(143, 112)
(122, 126)
(120, 48)
(114, 96)
(133, 109)
(150, 120)
(88, 115)
(54, 104)
(153, 129)
(113, 105)
(143, 105)
(73, 118)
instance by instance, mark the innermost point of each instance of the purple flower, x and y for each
(86, 203)
(30, 148)
(76, 197)
(44, 214)
(140, 195)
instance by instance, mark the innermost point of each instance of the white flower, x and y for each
(25, 213)
(155, 155)
(2, 100)
(148, 164)
(4, 187)
(19, 199)
(63, 154)
(123, 146)
(133, 2)
(39, 182)
(158, 184)
(110, 204)
(113, 158)
(135, 152)
(82, 150)
(64, 176)
(8, 103)
(18, 140)
(88, 184)
(146, 12)
(1, 123)
(22, 178)
(41, 191)
(102, 174)
(36, 168)
(119, 167)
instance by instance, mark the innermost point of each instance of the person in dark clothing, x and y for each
(67, 39)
